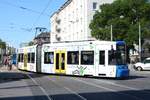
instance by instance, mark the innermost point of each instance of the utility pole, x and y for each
(40, 29)
(140, 41)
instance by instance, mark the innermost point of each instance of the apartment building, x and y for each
(71, 21)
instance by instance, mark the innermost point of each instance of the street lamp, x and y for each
(111, 29)
(140, 42)
(138, 19)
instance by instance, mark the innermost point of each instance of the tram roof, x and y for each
(81, 42)
(66, 43)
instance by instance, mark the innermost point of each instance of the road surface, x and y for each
(19, 85)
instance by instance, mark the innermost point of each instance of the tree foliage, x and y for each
(124, 16)
(2, 44)
(30, 43)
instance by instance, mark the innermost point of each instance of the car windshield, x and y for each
(146, 61)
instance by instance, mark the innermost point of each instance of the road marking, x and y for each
(123, 86)
(83, 98)
(40, 87)
(109, 89)
(75, 93)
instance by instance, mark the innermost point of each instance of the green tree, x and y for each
(30, 43)
(2, 44)
(124, 16)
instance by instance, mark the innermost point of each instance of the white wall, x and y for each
(75, 19)
(91, 12)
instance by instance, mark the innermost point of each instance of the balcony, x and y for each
(58, 38)
(58, 30)
(58, 21)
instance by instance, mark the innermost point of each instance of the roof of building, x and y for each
(62, 7)
(43, 35)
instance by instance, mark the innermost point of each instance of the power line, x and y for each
(15, 26)
(42, 13)
(23, 8)
(31, 10)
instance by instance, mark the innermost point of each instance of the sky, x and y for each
(19, 18)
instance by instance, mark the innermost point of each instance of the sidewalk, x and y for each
(13, 85)
(5, 69)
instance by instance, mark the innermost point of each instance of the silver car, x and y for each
(144, 65)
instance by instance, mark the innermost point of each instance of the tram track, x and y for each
(41, 88)
(103, 87)
(68, 89)
(64, 84)
(109, 89)
(119, 88)
(47, 94)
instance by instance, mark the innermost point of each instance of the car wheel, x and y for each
(139, 68)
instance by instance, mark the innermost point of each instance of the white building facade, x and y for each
(71, 21)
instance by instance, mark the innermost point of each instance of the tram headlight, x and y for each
(119, 67)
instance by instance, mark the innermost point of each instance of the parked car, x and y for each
(144, 65)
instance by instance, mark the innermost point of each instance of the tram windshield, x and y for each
(118, 56)
(121, 55)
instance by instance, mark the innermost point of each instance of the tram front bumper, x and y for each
(122, 73)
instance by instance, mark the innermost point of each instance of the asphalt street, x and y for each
(20, 85)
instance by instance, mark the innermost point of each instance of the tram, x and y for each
(83, 58)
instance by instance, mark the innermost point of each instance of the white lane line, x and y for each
(40, 87)
(75, 93)
(115, 84)
(109, 89)
(68, 89)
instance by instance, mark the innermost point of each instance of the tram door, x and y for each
(60, 62)
(38, 58)
(102, 63)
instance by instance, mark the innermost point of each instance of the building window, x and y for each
(48, 58)
(94, 5)
(87, 57)
(73, 57)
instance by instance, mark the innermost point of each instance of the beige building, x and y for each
(43, 37)
(71, 21)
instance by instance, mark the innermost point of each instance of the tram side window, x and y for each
(48, 57)
(112, 58)
(73, 57)
(32, 57)
(87, 57)
(19, 58)
(29, 57)
(101, 57)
